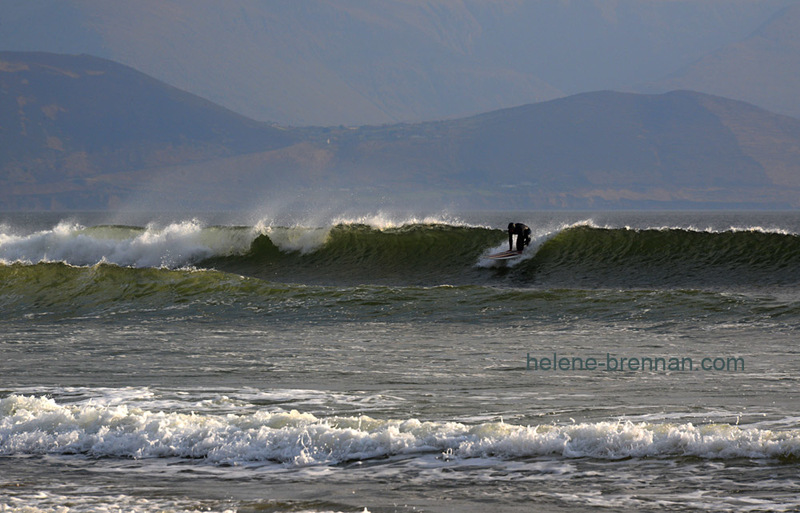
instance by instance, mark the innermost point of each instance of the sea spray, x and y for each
(174, 245)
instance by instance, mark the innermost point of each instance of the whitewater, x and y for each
(381, 362)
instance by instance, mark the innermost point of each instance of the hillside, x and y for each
(86, 133)
(68, 119)
(602, 149)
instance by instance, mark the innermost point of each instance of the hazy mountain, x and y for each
(67, 120)
(353, 62)
(81, 132)
(594, 149)
(763, 68)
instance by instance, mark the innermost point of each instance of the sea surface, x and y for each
(626, 362)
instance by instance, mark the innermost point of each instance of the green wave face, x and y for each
(577, 256)
(359, 254)
(667, 258)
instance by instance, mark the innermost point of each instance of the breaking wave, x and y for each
(173, 246)
(427, 253)
(39, 425)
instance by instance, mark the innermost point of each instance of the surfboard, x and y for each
(505, 255)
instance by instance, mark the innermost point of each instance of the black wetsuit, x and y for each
(523, 234)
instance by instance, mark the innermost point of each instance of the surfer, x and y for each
(523, 234)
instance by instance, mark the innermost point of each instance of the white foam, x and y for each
(173, 246)
(42, 501)
(27, 500)
(39, 425)
(49, 502)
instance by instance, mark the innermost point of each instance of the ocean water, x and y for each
(222, 362)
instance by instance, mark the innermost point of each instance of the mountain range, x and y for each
(320, 62)
(80, 132)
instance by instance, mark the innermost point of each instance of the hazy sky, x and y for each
(373, 62)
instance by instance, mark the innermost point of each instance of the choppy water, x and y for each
(627, 362)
